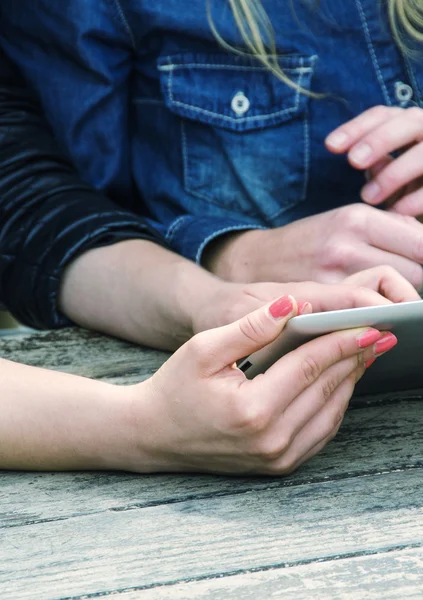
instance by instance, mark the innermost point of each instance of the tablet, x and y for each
(399, 369)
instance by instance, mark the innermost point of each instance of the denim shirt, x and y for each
(200, 140)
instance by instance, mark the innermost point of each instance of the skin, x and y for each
(124, 290)
(369, 141)
(197, 413)
(344, 241)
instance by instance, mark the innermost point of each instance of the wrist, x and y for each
(231, 256)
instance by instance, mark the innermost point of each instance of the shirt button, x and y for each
(240, 103)
(403, 92)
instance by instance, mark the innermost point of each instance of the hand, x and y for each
(373, 287)
(370, 139)
(326, 248)
(200, 413)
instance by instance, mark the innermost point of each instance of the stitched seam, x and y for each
(184, 154)
(306, 155)
(172, 67)
(233, 119)
(413, 80)
(172, 229)
(124, 22)
(372, 52)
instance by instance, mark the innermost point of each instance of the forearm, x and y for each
(138, 291)
(56, 421)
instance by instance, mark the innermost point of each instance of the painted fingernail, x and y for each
(303, 307)
(360, 154)
(368, 338)
(369, 362)
(337, 139)
(370, 191)
(281, 307)
(386, 343)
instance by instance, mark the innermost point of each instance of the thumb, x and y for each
(223, 346)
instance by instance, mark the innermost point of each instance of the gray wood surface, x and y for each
(349, 524)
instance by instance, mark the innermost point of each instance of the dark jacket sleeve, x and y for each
(48, 216)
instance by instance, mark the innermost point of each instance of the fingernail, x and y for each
(281, 307)
(368, 338)
(370, 191)
(386, 343)
(337, 140)
(303, 307)
(360, 154)
(369, 362)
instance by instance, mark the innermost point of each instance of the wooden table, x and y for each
(349, 524)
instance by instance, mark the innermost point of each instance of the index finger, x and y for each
(387, 281)
(392, 233)
(341, 139)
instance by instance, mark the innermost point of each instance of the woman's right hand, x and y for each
(200, 413)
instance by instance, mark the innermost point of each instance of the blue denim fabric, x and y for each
(201, 141)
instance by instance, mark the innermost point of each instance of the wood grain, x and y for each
(387, 576)
(206, 538)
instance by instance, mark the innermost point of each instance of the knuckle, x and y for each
(270, 451)
(338, 254)
(390, 178)
(417, 249)
(379, 111)
(285, 466)
(253, 327)
(327, 388)
(309, 370)
(415, 113)
(354, 217)
(199, 346)
(251, 418)
(385, 271)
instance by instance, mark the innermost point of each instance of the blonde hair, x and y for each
(406, 17)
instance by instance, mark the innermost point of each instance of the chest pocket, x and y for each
(244, 133)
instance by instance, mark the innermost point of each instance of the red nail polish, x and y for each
(386, 343)
(281, 307)
(369, 362)
(368, 338)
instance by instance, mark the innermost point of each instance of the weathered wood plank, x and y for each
(91, 354)
(115, 551)
(386, 576)
(372, 440)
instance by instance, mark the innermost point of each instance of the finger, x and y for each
(375, 169)
(392, 134)
(411, 204)
(367, 257)
(342, 138)
(397, 236)
(387, 281)
(299, 369)
(319, 430)
(223, 346)
(314, 398)
(342, 296)
(399, 173)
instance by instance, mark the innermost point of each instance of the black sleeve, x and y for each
(48, 216)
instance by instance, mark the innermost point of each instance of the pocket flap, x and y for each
(234, 92)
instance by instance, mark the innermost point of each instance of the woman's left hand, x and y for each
(369, 140)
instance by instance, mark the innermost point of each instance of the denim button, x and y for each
(403, 92)
(240, 103)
